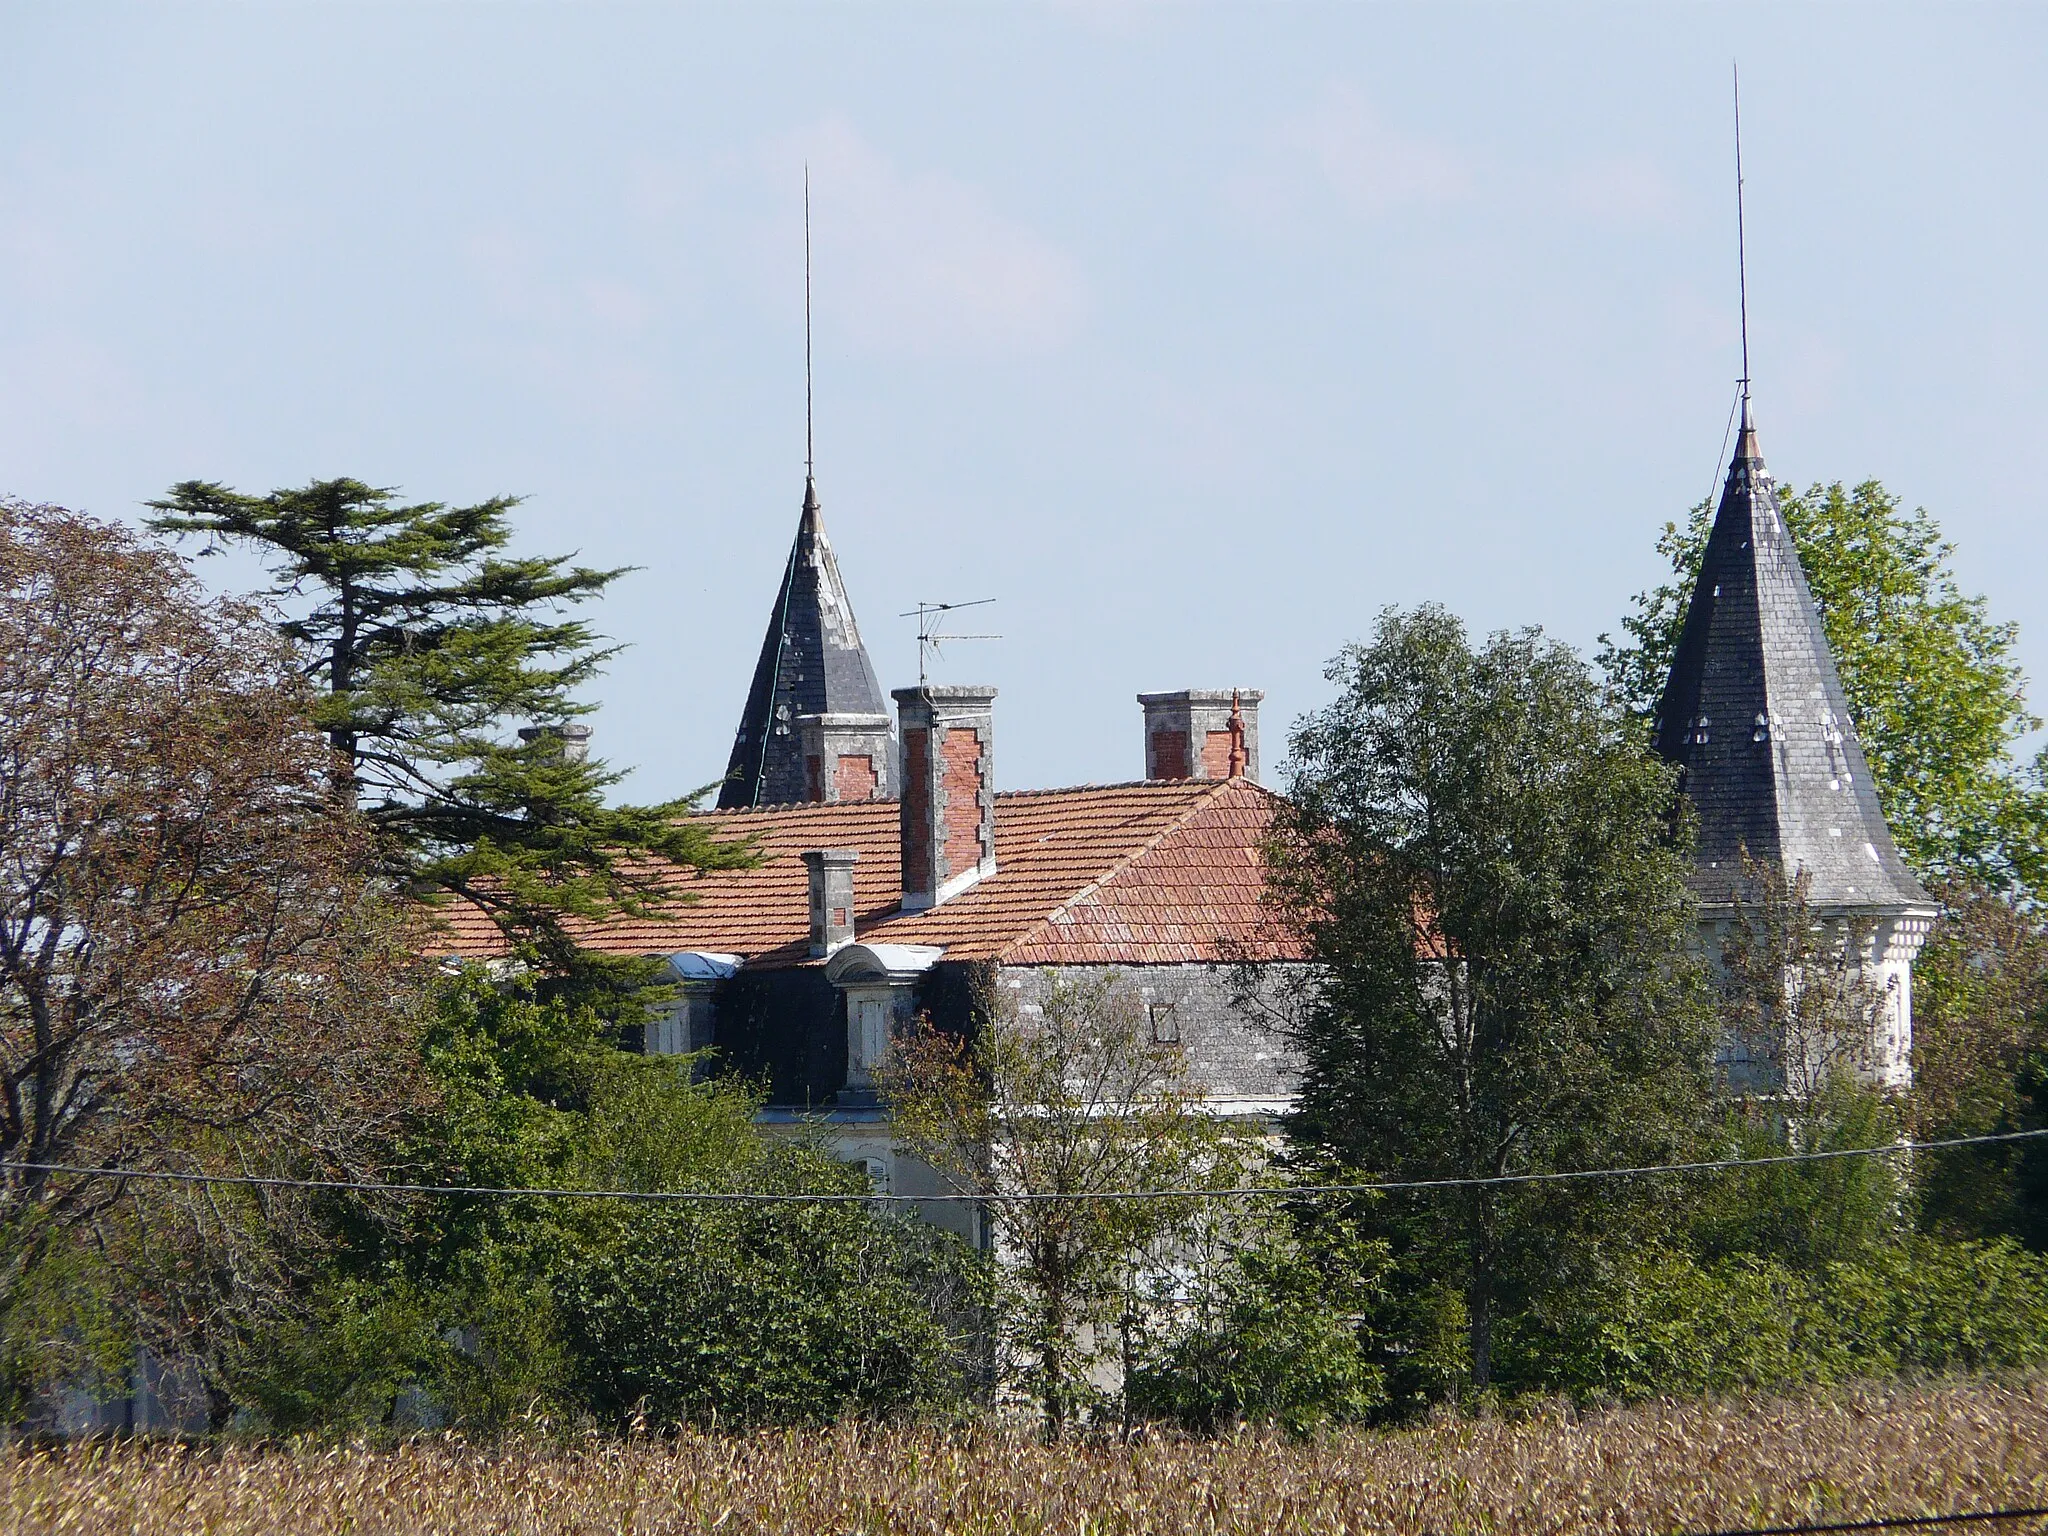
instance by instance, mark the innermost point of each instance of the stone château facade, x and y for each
(895, 880)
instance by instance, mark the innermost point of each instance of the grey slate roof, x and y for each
(812, 663)
(1755, 716)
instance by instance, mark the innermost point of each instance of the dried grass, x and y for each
(1655, 1469)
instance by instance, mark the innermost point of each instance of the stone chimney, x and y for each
(847, 757)
(573, 739)
(831, 871)
(1202, 733)
(948, 789)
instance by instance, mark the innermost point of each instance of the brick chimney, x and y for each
(831, 871)
(1202, 733)
(948, 779)
(847, 757)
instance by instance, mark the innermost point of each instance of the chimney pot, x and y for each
(831, 882)
(948, 809)
(1202, 733)
(572, 740)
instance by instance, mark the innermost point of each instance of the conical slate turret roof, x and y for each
(812, 663)
(1755, 716)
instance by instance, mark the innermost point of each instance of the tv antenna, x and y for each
(931, 635)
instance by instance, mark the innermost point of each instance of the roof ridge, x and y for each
(792, 805)
(1180, 820)
(1001, 794)
(1075, 789)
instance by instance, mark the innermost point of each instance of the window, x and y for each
(669, 1034)
(1165, 1026)
(870, 1031)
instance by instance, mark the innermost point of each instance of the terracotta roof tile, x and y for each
(1119, 874)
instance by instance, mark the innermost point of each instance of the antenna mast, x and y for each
(930, 638)
(1741, 241)
(809, 457)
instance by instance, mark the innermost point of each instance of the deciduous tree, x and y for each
(1480, 853)
(1075, 1103)
(197, 970)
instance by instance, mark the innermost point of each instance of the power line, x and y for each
(1881, 1523)
(752, 1197)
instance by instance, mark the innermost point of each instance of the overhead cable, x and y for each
(755, 1197)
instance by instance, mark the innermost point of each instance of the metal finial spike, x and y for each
(1741, 240)
(810, 454)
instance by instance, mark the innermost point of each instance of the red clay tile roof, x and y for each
(1120, 874)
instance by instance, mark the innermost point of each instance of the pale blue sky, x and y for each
(1192, 333)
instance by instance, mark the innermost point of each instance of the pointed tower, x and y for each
(812, 664)
(1754, 716)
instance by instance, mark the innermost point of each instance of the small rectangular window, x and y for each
(1165, 1027)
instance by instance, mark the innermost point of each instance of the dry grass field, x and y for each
(1656, 1469)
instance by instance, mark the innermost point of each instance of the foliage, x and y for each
(1066, 1096)
(1664, 1322)
(1799, 1010)
(489, 1309)
(1810, 1214)
(429, 643)
(1698, 1465)
(1477, 849)
(1981, 1068)
(744, 1315)
(1269, 1337)
(1932, 681)
(196, 969)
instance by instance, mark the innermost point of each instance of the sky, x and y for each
(1193, 334)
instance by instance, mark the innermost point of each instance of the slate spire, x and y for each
(1754, 715)
(812, 663)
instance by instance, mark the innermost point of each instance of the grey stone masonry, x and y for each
(831, 897)
(948, 817)
(812, 663)
(847, 757)
(1241, 1062)
(1195, 733)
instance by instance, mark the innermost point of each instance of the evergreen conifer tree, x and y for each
(431, 647)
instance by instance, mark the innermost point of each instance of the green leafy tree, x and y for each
(1267, 1333)
(1075, 1100)
(1663, 1321)
(1478, 850)
(430, 645)
(751, 1314)
(1932, 681)
(1980, 1067)
(481, 1310)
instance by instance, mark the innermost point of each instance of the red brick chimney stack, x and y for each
(949, 802)
(1202, 733)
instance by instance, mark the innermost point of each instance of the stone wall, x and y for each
(1241, 1061)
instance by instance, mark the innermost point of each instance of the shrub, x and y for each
(763, 1314)
(1669, 1323)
